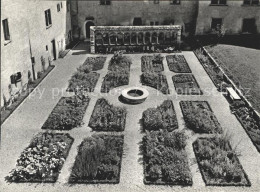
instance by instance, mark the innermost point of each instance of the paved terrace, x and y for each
(26, 121)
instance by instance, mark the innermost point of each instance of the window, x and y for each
(105, 2)
(216, 23)
(58, 7)
(249, 26)
(48, 18)
(175, 2)
(152, 23)
(46, 47)
(60, 4)
(156, 22)
(6, 30)
(156, 1)
(251, 2)
(218, 2)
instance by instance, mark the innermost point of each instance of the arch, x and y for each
(112, 37)
(147, 38)
(168, 38)
(133, 38)
(105, 39)
(120, 39)
(154, 38)
(88, 24)
(140, 38)
(127, 38)
(99, 39)
(161, 38)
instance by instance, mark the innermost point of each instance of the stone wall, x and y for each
(233, 14)
(29, 37)
(121, 13)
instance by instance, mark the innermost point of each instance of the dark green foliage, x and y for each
(199, 117)
(186, 84)
(218, 162)
(106, 117)
(95, 63)
(162, 117)
(152, 63)
(165, 159)
(82, 79)
(178, 64)
(67, 114)
(118, 74)
(98, 160)
(155, 80)
(42, 160)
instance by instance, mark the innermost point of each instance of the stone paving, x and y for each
(26, 121)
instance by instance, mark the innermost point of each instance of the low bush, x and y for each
(165, 159)
(81, 79)
(178, 64)
(98, 160)
(218, 163)
(95, 63)
(199, 117)
(106, 117)
(152, 63)
(42, 160)
(67, 114)
(186, 84)
(155, 80)
(118, 74)
(162, 117)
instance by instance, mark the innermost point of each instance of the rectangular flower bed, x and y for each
(67, 114)
(165, 159)
(162, 117)
(98, 160)
(186, 84)
(152, 63)
(106, 117)
(96, 63)
(118, 74)
(218, 163)
(81, 79)
(199, 117)
(155, 80)
(178, 64)
(248, 120)
(43, 159)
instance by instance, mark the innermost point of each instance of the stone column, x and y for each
(179, 36)
(92, 40)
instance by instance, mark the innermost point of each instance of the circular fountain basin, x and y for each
(134, 95)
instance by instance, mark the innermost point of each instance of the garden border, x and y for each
(189, 69)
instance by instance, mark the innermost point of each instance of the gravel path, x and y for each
(26, 121)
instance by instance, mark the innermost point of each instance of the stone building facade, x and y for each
(37, 32)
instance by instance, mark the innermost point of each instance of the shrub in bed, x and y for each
(98, 160)
(81, 79)
(218, 163)
(118, 74)
(165, 159)
(106, 117)
(155, 80)
(199, 117)
(95, 63)
(67, 114)
(162, 117)
(152, 63)
(42, 160)
(178, 64)
(186, 84)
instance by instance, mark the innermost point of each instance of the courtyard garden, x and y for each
(162, 143)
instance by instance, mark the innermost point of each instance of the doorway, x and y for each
(53, 49)
(137, 21)
(87, 26)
